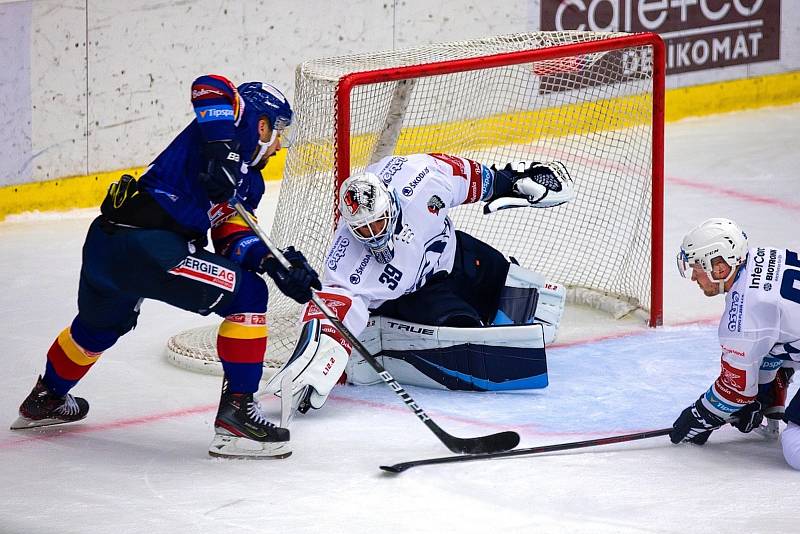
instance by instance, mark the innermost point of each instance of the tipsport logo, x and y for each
(338, 304)
(213, 113)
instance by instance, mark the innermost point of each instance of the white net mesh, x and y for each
(592, 111)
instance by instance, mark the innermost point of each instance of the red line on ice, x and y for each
(58, 431)
(684, 182)
(52, 432)
(704, 321)
(732, 193)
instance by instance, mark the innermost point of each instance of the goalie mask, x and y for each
(713, 238)
(370, 211)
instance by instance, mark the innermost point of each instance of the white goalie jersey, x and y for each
(426, 186)
(759, 329)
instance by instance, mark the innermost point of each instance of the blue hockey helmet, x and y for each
(264, 99)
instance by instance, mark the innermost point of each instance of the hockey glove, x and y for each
(748, 418)
(222, 174)
(695, 424)
(538, 185)
(296, 282)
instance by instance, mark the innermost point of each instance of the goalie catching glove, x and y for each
(523, 184)
(319, 359)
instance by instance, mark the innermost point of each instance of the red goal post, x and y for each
(592, 100)
(348, 82)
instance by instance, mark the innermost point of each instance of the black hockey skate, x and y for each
(43, 408)
(242, 430)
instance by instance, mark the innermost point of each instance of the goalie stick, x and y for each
(501, 441)
(404, 466)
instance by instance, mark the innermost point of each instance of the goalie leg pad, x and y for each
(548, 304)
(470, 359)
(517, 305)
(319, 359)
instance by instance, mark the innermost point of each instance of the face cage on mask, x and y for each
(684, 266)
(380, 245)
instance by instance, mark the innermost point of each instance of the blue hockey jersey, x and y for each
(172, 178)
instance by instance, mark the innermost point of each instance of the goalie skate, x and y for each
(43, 408)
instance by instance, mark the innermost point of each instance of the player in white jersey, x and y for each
(759, 333)
(395, 253)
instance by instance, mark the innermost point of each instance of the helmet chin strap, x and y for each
(721, 283)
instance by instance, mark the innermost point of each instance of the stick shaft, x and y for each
(399, 468)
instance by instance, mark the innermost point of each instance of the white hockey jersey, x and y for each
(759, 329)
(427, 186)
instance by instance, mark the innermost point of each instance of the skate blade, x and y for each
(23, 422)
(769, 431)
(235, 447)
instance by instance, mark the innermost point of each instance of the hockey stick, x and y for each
(403, 466)
(768, 431)
(502, 441)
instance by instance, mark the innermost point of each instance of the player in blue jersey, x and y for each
(148, 243)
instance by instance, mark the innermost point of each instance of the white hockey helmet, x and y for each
(711, 239)
(370, 211)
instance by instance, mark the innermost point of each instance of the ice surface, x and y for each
(138, 463)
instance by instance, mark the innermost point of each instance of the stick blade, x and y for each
(396, 468)
(500, 442)
(468, 447)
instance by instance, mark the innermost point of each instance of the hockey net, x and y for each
(591, 100)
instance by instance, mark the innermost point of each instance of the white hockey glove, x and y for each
(315, 366)
(537, 185)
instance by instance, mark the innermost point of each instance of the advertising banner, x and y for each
(699, 34)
